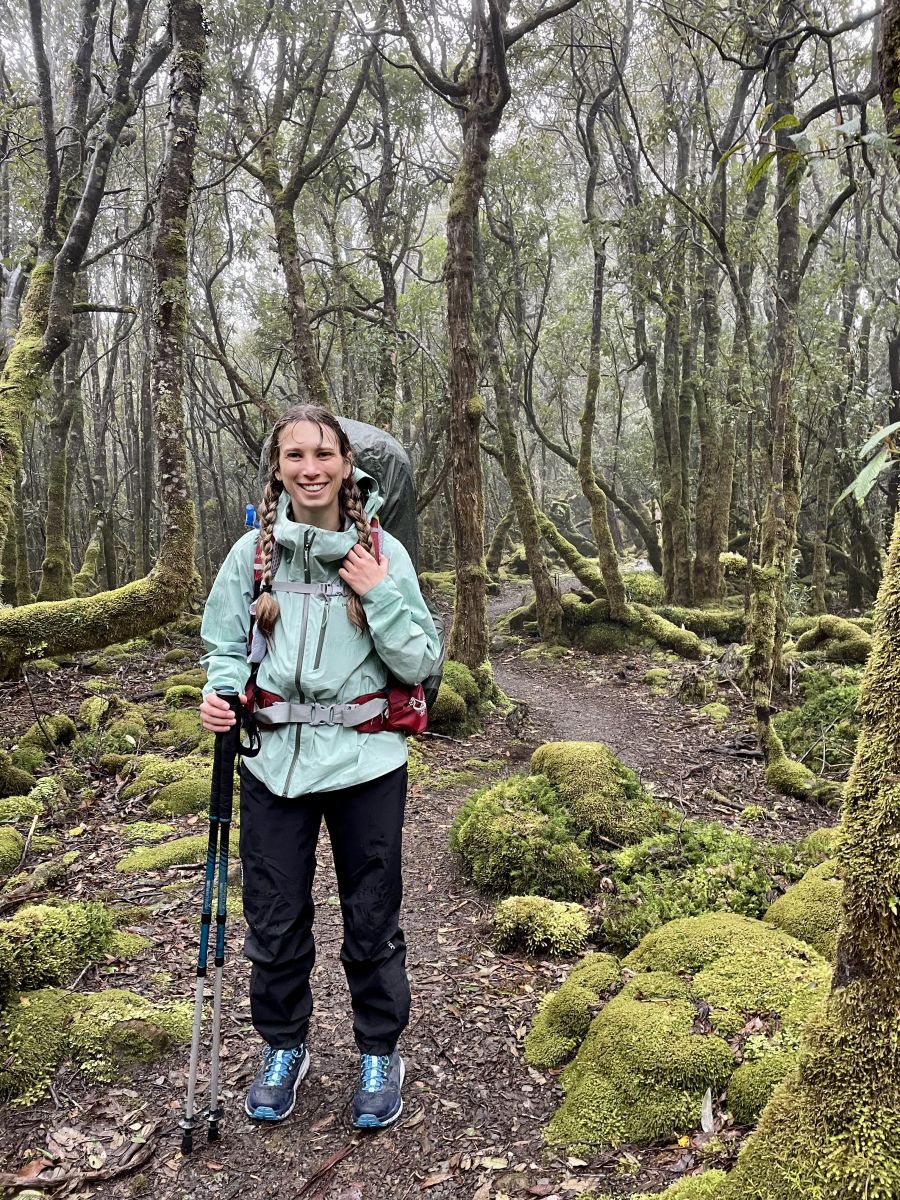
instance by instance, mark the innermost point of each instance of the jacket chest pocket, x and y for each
(323, 630)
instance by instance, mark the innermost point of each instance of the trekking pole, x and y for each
(227, 747)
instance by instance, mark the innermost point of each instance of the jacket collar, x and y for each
(327, 544)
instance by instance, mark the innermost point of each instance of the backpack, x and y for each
(380, 455)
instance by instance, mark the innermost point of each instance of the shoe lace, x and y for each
(373, 1069)
(278, 1064)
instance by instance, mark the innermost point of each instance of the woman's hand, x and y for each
(216, 714)
(361, 571)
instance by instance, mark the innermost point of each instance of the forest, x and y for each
(622, 280)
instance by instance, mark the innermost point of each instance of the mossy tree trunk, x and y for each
(832, 1130)
(479, 91)
(53, 628)
(56, 569)
(506, 391)
(499, 539)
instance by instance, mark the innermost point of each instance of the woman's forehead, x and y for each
(307, 435)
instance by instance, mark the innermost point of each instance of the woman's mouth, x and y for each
(313, 488)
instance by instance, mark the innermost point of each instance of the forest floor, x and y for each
(474, 1110)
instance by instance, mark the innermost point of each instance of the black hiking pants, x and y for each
(278, 858)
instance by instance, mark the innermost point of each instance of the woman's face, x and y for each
(312, 469)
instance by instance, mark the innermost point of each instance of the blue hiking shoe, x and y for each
(377, 1102)
(274, 1090)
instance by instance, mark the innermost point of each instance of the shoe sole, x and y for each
(367, 1121)
(263, 1113)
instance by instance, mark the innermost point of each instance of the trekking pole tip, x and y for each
(187, 1141)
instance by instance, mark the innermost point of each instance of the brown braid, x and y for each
(267, 609)
(352, 506)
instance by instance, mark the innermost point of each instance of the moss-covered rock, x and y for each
(152, 771)
(717, 712)
(738, 966)
(541, 926)
(27, 758)
(47, 944)
(723, 624)
(604, 798)
(194, 678)
(183, 798)
(516, 838)
(644, 587)
(17, 809)
(13, 780)
(170, 854)
(642, 1071)
(100, 1033)
(178, 654)
(147, 833)
(754, 1082)
(657, 678)
(182, 697)
(189, 733)
(811, 910)
(113, 763)
(455, 711)
(59, 727)
(698, 867)
(564, 1016)
(11, 846)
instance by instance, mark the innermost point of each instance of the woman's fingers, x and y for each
(216, 714)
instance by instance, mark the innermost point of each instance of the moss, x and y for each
(836, 640)
(754, 813)
(50, 793)
(699, 867)
(642, 1071)
(170, 854)
(644, 587)
(189, 733)
(99, 687)
(92, 712)
(98, 664)
(13, 780)
(28, 758)
(176, 655)
(45, 944)
(515, 837)
(606, 637)
(126, 733)
(824, 728)
(114, 764)
(650, 623)
(707, 1186)
(195, 678)
(603, 797)
(153, 771)
(541, 926)
(101, 1033)
(657, 678)
(739, 966)
(811, 910)
(15, 809)
(147, 833)
(182, 798)
(182, 697)
(542, 653)
(455, 711)
(818, 845)
(754, 1082)
(790, 778)
(723, 624)
(716, 712)
(42, 665)
(564, 1016)
(59, 727)
(11, 846)
(439, 583)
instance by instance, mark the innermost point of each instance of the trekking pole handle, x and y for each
(246, 725)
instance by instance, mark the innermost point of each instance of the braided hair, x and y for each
(351, 506)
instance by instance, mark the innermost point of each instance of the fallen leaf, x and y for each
(707, 1121)
(434, 1179)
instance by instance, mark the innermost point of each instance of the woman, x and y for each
(344, 616)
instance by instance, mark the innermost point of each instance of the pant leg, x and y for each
(365, 823)
(278, 839)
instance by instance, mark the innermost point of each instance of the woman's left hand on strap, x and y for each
(361, 571)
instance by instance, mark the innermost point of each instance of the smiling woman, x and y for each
(342, 621)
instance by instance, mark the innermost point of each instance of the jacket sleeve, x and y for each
(226, 620)
(399, 621)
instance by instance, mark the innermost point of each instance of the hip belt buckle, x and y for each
(321, 714)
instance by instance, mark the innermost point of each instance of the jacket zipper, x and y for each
(307, 543)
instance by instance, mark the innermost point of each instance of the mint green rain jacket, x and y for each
(317, 655)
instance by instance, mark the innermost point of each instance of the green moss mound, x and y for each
(27, 758)
(147, 833)
(824, 728)
(194, 678)
(170, 854)
(182, 697)
(152, 771)
(834, 639)
(101, 1033)
(642, 1071)
(13, 780)
(183, 798)
(811, 910)
(541, 926)
(11, 846)
(60, 728)
(699, 867)
(564, 1016)
(18, 809)
(516, 838)
(46, 944)
(644, 587)
(752, 1084)
(707, 993)
(603, 797)
(455, 711)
